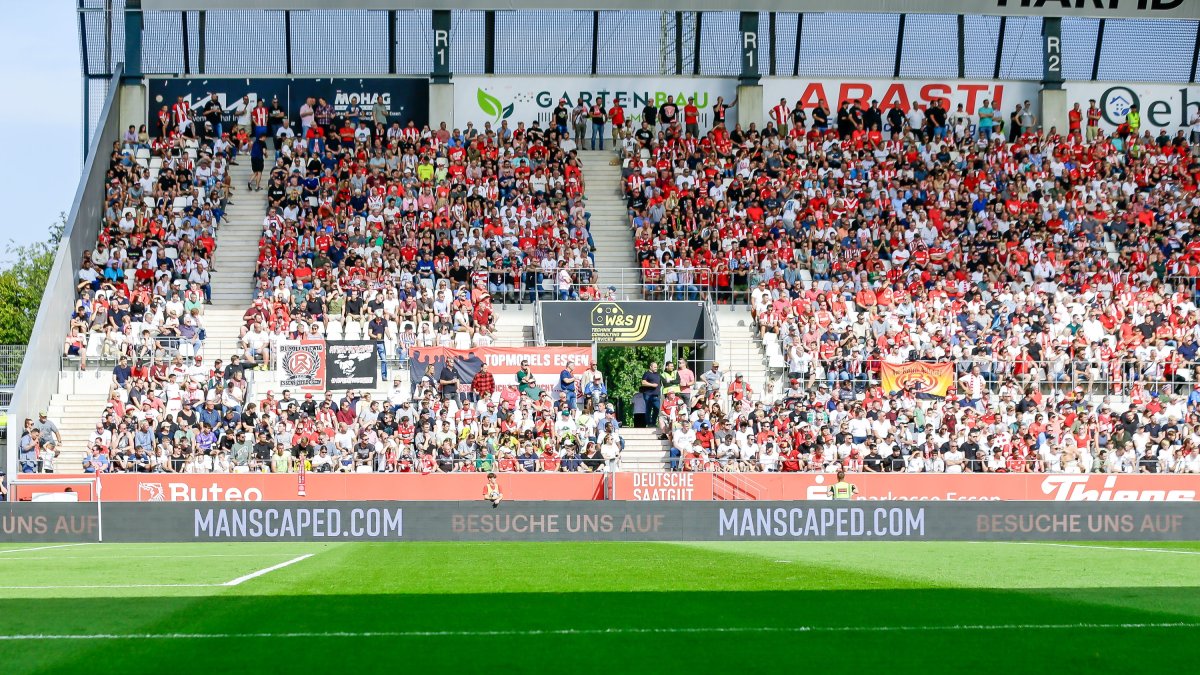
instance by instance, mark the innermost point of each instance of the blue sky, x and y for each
(41, 121)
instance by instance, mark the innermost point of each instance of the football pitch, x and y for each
(598, 607)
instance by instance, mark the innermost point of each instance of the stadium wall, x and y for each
(597, 521)
(624, 486)
(276, 487)
(480, 98)
(38, 380)
(688, 486)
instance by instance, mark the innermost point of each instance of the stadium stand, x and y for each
(144, 287)
(1055, 269)
(1017, 259)
(357, 243)
(1040, 259)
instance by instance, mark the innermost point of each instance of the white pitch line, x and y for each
(268, 570)
(148, 557)
(234, 582)
(57, 588)
(605, 631)
(43, 548)
(1094, 548)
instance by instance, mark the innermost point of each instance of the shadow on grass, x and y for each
(951, 641)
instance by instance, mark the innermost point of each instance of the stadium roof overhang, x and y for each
(1109, 9)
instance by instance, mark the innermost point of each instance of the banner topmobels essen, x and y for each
(686, 486)
(545, 363)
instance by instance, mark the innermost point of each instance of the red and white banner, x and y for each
(903, 93)
(641, 486)
(545, 363)
(302, 363)
(270, 487)
(686, 486)
(923, 379)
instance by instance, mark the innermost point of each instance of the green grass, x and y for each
(635, 607)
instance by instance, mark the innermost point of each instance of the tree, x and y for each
(623, 368)
(23, 282)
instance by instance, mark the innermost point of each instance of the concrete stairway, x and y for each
(235, 258)
(76, 416)
(514, 326)
(76, 408)
(615, 259)
(643, 450)
(237, 242)
(223, 325)
(739, 350)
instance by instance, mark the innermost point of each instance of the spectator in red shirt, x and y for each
(484, 383)
(691, 118)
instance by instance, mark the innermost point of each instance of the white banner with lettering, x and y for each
(1162, 106)
(1002, 95)
(480, 99)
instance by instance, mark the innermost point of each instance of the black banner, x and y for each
(601, 521)
(624, 322)
(406, 98)
(432, 361)
(351, 364)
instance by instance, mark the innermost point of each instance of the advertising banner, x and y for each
(1002, 95)
(351, 364)
(503, 362)
(928, 380)
(525, 99)
(476, 520)
(127, 487)
(302, 364)
(1163, 106)
(687, 486)
(48, 522)
(624, 322)
(405, 98)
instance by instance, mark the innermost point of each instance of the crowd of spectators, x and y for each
(1055, 269)
(1050, 266)
(196, 419)
(431, 214)
(143, 288)
(400, 235)
(407, 236)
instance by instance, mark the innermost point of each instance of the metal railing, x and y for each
(710, 311)
(1112, 378)
(615, 283)
(402, 463)
(10, 367)
(211, 350)
(539, 330)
